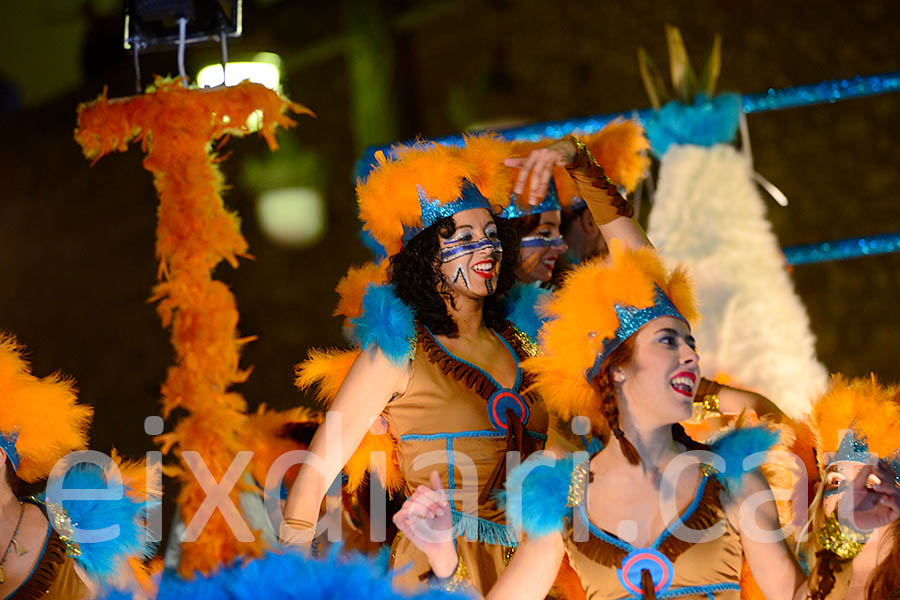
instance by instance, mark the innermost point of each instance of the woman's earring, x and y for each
(618, 377)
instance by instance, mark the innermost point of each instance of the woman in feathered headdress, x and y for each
(51, 546)
(640, 517)
(857, 430)
(537, 226)
(436, 362)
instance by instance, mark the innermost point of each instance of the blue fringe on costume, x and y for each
(537, 494)
(735, 446)
(386, 322)
(707, 122)
(520, 307)
(291, 576)
(102, 552)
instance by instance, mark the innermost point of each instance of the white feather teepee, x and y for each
(709, 215)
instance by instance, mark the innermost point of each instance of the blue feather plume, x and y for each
(291, 576)
(103, 551)
(386, 322)
(735, 446)
(537, 494)
(520, 307)
(377, 250)
(706, 122)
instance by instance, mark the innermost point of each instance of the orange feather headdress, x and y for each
(40, 419)
(621, 149)
(854, 420)
(425, 182)
(599, 305)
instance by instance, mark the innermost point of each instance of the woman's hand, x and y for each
(538, 166)
(426, 520)
(873, 500)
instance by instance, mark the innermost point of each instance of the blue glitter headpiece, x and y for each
(852, 448)
(8, 444)
(631, 319)
(433, 210)
(518, 209)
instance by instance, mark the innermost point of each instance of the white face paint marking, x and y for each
(461, 274)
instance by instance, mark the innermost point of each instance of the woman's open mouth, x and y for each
(484, 268)
(683, 383)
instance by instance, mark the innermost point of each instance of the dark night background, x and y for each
(76, 243)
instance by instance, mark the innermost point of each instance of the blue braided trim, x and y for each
(483, 433)
(687, 514)
(693, 590)
(477, 529)
(611, 539)
(597, 532)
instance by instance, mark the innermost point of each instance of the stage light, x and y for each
(264, 69)
(292, 216)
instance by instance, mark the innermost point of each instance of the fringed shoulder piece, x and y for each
(96, 551)
(386, 322)
(474, 379)
(737, 445)
(541, 492)
(520, 307)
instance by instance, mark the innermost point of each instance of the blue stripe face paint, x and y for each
(450, 254)
(539, 241)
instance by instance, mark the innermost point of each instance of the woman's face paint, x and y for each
(470, 257)
(539, 250)
(839, 477)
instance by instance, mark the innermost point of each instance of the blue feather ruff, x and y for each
(109, 529)
(520, 307)
(737, 445)
(387, 322)
(291, 576)
(706, 122)
(537, 494)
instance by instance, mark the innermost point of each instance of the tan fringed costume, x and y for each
(53, 576)
(442, 421)
(708, 569)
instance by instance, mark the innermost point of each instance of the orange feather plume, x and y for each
(325, 369)
(621, 149)
(582, 314)
(352, 287)
(863, 405)
(43, 412)
(265, 437)
(389, 197)
(493, 179)
(360, 462)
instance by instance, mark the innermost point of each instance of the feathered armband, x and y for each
(102, 514)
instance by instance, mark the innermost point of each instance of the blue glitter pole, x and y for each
(872, 245)
(790, 97)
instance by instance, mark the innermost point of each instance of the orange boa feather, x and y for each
(195, 232)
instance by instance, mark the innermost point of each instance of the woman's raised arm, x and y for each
(369, 385)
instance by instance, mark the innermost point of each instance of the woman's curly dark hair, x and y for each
(415, 273)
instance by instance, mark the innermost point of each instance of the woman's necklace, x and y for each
(13, 542)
